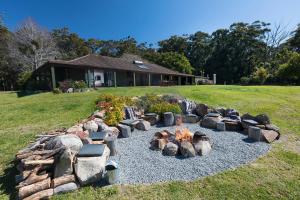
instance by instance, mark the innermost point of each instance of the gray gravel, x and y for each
(139, 164)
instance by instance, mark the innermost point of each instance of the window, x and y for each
(98, 78)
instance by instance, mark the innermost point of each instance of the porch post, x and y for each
(115, 78)
(179, 80)
(89, 78)
(149, 79)
(161, 77)
(186, 80)
(53, 77)
(134, 79)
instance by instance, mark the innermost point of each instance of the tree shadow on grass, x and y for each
(7, 181)
(24, 93)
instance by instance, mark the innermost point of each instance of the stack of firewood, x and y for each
(36, 167)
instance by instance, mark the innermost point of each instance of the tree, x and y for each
(32, 45)
(294, 41)
(171, 60)
(94, 45)
(175, 43)
(70, 45)
(290, 71)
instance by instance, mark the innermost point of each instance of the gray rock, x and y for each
(270, 135)
(202, 147)
(99, 114)
(170, 149)
(221, 126)
(210, 122)
(263, 119)
(221, 111)
(153, 118)
(143, 125)
(201, 109)
(90, 169)
(169, 119)
(91, 126)
(247, 116)
(178, 119)
(64, 165)
(233, 125)
(255, 133)
(125, 130)
(190, 118)
(272, 127)
(188, 106)
(66, 188)
(187, 149)
(70, 141)
(158, 144)
(230, 111)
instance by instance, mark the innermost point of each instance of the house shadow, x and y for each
(24, 93)
(7, 181)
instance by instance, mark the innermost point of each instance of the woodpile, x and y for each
(36, 166)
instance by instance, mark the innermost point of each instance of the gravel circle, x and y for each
(139, 164)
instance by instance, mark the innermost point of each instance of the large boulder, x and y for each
(70, 141)
(90, 169)
(169, 119)
(64, 165)
(91, 126)
(190, 118)
(143, 125)
(158, 144)
(201, 109)
(210, 121)
(170, 149)
(125, 130)
(202, 147)
(262, 119)
(187, 149)
(188, 106)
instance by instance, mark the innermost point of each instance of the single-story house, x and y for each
(104, 71)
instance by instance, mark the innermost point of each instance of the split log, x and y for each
(25, 174)
(45, 153)
(62, 180)
(34, 188)
(33, 178)
(40, 195)
(38, 162)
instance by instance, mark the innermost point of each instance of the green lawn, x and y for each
(276, 175)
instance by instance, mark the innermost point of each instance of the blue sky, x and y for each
(150, 20)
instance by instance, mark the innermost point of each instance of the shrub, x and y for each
(259, 76)
(65, 85)
(56, 91)
(79, 84)
(113, 106)
(245, 80)
(146, 101)
(290, 71)
(161, 108)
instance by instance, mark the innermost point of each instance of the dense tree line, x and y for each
(241, 54)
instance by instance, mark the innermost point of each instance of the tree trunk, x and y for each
(33, 188)
(40, 195)
(62, 180)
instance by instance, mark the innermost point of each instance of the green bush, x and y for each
(146, 101)
(290, 71)
(245, 80)
(259, 76)
(56, 91)
(161, 108)
(79, 84)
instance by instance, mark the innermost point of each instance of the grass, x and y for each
(274, 176)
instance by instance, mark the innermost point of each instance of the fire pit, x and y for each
(181, 143)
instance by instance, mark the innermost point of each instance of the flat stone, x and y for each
(90, 169)
(255, 133)
(98, 135)
(272, 127)
(143, 125)
(66, 188)
(250, 122)
(212, 115)
(269, 135)
(233, 126)
(125, 130)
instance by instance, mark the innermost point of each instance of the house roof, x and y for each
(125, 62)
